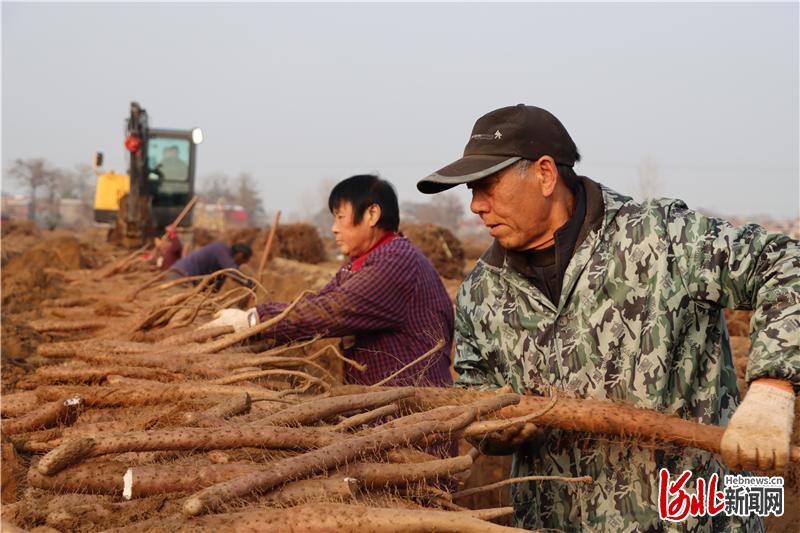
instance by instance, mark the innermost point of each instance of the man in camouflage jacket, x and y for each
(628, 309)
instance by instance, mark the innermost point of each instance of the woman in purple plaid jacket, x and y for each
(387, 302)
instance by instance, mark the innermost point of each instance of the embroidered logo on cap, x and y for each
(487, 136)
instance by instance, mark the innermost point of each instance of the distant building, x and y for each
(65, 212)
(219, 216)
(15, 206)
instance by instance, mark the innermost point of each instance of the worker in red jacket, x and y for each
(168, 249)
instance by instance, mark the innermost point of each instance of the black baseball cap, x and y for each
(499, 139)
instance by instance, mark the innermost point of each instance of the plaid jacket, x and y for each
(394, 306)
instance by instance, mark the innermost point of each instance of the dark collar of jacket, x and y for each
(595, 210)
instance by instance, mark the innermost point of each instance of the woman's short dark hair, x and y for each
(363, 191)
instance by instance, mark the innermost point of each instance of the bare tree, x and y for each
(216, 187)
(444, 210)
(248, 196)
(54, 180)
(322, 218)
(31, 173)
(241, 191)
(77, 184)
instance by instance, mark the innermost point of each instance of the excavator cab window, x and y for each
(168, 161)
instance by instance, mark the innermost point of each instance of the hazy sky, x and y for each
(301, 93)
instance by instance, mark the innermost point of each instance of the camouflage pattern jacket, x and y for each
(639, 321)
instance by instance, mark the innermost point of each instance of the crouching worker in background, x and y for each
(212, 258)
(168, 249)
(387, 302)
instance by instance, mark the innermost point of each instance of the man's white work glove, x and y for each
(240, 320)
(758, 436)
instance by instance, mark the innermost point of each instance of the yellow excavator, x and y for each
(159, 183)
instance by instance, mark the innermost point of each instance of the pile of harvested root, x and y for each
(134, 418)
(440, 246)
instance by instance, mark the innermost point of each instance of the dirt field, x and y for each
(158, 398)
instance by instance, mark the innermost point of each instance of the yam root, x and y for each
(77, 374)
(63, 411)
(141, 481)
(131, 391)
(364, 418)
(112, 396)
(393, 474)
(316, 410)
(92, 478)
(327, 517)
(46, 325)
(70, 452)
(161, 479)
(235, 405)
(326, 457)
(598, 417)
(64, 455)
(19, 403)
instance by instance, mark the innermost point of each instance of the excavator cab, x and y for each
(170, 174)
(160, 181)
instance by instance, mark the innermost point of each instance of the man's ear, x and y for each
(547, 173)
(373, 215)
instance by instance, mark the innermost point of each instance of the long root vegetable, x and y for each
(46, 325)
(490, 514)
(63, 411)
(483, 406)
(364, 418)
(511, 481)
(99, 512)
(73, 374)
(227, 408)
(64, 455)
(186, 439)
(598, 417)
(35, 440)
(409, 455)
(161, 479)
(19, 403)
(317, 460)
(141, 481)
(316, 410)
(319, 518)
(92, 478)
(394, 474)
(256, 374)
(112, 396)
(72, 302)
(131, 391)
(307, 490)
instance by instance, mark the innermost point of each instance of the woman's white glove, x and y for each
(240, 320)
(758, 436)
